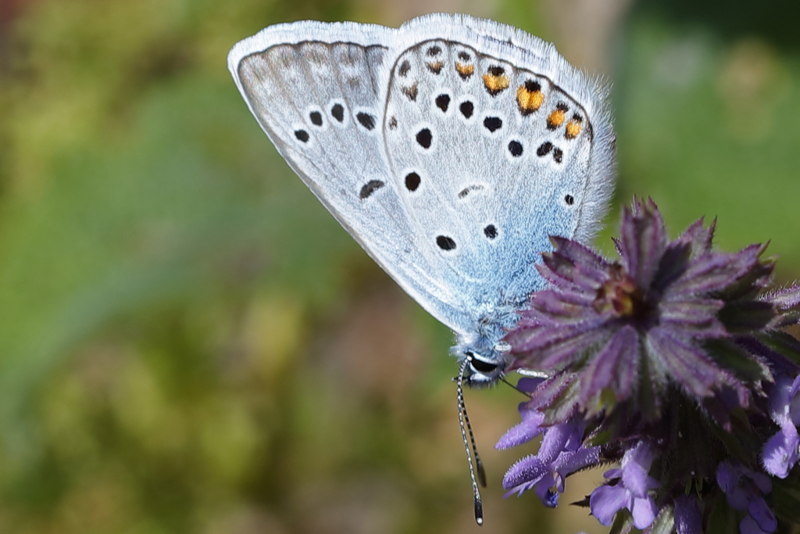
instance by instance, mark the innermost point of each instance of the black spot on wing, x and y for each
(412, 181)
(445, 243)
(467, 108)
(544, 149)
(424, 138)
(443, 102)
(337, 111)
(366, 120)
(492, 123)
(370, 187)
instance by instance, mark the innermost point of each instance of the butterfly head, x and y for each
(484, 367)
(482, 354)
(483, 370)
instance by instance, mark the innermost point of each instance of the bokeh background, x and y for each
(190, 344)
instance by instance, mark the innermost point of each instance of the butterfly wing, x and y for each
(495, 143)
(318, 91)
(450, 149)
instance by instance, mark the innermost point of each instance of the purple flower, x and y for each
(560, 454)
(688, 519)
(629, 487)
(745, 490)
(668, 361)
(606, 332)
(782, 450)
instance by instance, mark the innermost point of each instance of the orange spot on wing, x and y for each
(529, 101)
(435, 66)
(495, 83)
(555, 119)
(573, 129)
(464, 70)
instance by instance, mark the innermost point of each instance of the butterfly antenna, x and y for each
(512, 386)
(469, 446)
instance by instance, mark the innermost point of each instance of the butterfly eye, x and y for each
(479, 364)
(482, 366)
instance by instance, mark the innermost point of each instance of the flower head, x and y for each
(665, 315)
(671, 361)
(560, 454)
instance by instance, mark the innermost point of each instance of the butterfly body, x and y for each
(450, 148)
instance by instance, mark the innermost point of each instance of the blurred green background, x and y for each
(173, 360)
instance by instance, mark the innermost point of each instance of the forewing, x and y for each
(319, 90)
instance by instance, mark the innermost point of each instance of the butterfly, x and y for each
(450, 148)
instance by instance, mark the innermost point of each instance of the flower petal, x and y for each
(688, 519)
(562, 272)
(616, 365)
(643, 239)
(717, 271)
(686, 364)
(572, 264)
(786, 298)
(606, 501)
(523, 432)
(552, 349)
(699, 236)
(672, 266)
(762, 514)
(780, 400)
(780, 452)
(698, 316)
(544, 490)
(549, 393)
(555, 441)
(749, 526)
(644, 512)
(727, 477)
(560, 307)
(571, 462)
(635, 468)
(526, 470)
